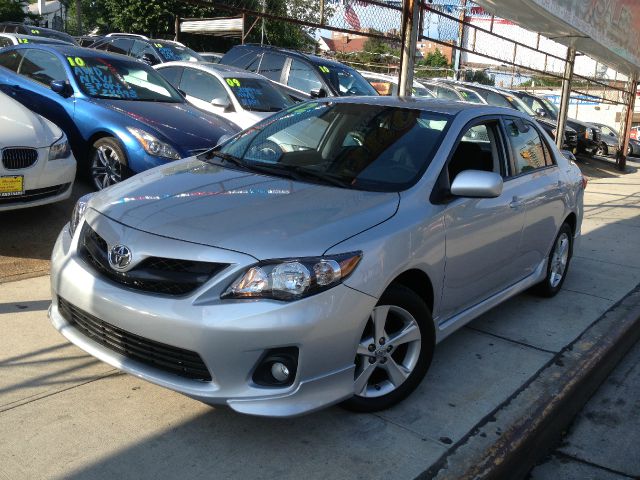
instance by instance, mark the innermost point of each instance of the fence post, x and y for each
(410, 21)
(627, 119)
(566, 94)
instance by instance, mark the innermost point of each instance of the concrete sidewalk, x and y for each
(603, 441)
(62, 414)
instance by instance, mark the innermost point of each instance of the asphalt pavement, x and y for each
(65, 415)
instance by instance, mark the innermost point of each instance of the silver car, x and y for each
(319, 256)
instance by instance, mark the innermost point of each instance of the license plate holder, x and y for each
(11, 185)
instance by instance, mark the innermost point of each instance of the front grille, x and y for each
(168, 276)
(36, 194)
(17, 158)
(179, 361)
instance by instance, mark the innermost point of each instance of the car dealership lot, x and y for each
(63, 413)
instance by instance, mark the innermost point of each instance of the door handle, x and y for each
(515, 203)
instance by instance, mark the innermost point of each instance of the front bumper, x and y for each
(230, 336)
(45, 182)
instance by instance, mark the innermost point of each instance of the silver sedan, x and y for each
(320, 256)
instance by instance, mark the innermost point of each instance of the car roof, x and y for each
(449, 107)
(34, 38)
(74, 51)
(222, 70)
(294, 53)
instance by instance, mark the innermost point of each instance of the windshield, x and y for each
(550, 106)
(172, 52)
(35, 31)
(121, 80)
(470, 96)
(258, 95)
(356, 146)
(346, 81)
(520, 105)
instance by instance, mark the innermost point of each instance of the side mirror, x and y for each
(318, 93)
(223, 103)
(541, 112)
(61, 88)
(568, 155)
(477, 183)
(149, 59)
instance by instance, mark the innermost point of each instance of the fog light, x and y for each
(277, 367)
(280, 372)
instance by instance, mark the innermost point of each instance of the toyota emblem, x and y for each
(119, 257)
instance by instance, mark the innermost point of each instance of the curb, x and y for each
(520, 431)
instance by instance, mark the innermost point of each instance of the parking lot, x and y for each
(64, 414)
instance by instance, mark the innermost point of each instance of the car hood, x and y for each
(263, 216)
(20, 127)
(553, 124)
(181, 124)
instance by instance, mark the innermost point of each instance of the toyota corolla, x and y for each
(319, 256)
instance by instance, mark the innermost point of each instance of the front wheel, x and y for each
(394, 353)
(602, 150)
(558, 263)
(109, 163)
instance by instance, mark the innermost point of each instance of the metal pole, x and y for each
(458, 58)
(566, 94)
(410, 21)
(177, 27)
(625, 128)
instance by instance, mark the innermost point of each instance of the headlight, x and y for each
(78, 212)
(152, 145)
(291, 279)
(59, 149)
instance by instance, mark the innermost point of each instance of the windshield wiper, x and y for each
(210, 154)
(295, 172)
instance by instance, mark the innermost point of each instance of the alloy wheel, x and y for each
(388, 351)
(559, 260)
(106, 167)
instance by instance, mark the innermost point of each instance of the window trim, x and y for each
(512, 162)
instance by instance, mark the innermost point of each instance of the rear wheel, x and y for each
(394, 353)
(109, 163)
(558, 263)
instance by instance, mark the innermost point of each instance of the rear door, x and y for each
(538, 190)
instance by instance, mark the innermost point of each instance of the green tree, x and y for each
(435, 64)
(13, 11)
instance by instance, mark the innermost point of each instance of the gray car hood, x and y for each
(263, 216)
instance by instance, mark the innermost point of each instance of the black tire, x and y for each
(408, 301)
(108, 163)
(550, 286)
(602, 150)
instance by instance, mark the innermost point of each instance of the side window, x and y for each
(478, 149)
(271, 66)
(5, 42)
(497, 100)
(120, 45)
(10, 60)
(42, 67)
(172, 75)
(141, 48)
(201, 85)
(303, 77)
(527, 146)
(102, 46)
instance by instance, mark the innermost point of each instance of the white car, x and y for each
(388, 85)
(242, 97)
(8, 39)
(36, 163)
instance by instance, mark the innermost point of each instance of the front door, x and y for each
(483, 235)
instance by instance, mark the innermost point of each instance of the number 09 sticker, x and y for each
(233, 82)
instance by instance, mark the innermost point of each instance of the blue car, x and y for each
(120, 115)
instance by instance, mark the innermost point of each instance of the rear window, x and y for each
(258, 95)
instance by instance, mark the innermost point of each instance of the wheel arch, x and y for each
(419, 283)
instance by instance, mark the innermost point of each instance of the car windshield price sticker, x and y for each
(23, 40)
(324, 69)
(233, 82)
(11, 185)
(167, 52)
(101, 80)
